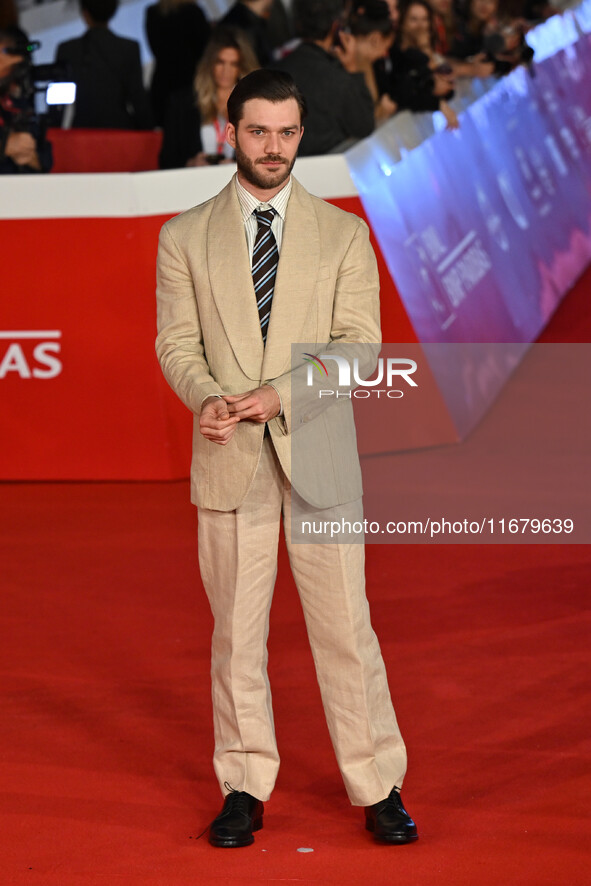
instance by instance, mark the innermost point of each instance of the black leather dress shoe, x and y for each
(389, 821)
(241, 815)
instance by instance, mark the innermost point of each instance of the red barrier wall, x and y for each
(107, 413)
(104, 150)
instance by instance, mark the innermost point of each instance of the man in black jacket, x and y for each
(108, 73)
(326, 69)
(251, 17)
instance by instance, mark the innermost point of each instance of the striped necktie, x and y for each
(265, 258)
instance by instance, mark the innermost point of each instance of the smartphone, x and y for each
(444, 69)
(336, 40)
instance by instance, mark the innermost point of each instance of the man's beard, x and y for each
(266, 180)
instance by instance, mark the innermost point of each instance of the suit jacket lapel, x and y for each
(295, 284)
(231, 281)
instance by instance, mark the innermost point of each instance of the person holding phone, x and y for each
(416, 77)
(227, 58)
(329, 69)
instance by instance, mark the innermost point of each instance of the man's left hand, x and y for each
(260, 405)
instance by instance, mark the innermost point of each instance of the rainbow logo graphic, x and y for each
(317, 362)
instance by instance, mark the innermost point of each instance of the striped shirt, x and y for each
(248, 204)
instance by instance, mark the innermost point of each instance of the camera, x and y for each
(29, 79)
(508, 43)
(443, 69)
(24, 147)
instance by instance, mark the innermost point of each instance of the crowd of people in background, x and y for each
(358, 62)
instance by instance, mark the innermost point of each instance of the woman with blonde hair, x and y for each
(227, 58)
(196, 120)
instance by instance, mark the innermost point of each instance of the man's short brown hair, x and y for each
(272, 86)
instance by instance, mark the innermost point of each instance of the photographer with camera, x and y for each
(415, 77)
(490, 38)
(23, 148)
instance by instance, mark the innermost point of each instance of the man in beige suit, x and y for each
(240, 278)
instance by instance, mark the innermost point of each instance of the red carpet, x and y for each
(106, 722)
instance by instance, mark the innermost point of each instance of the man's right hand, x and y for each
(21, 147)
(215, 422)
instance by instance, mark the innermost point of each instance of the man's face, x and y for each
(266, 141)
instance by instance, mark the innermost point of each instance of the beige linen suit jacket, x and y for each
(209, 339)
